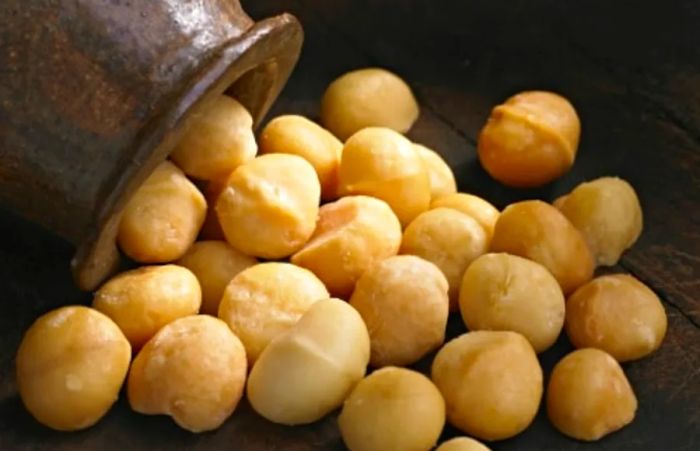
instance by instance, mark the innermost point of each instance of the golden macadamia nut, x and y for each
(392, 409)
(588, 395)
(216, 140)
(530, 140)
(369, 97)
(308, 371)
(143, 300)
(265, 300)
(269, 206)
(491, 382)
(449, 239)
(351, 235)
(299, 136)
(608, 214)
(215, 263)
(403, 300)
(537, 231)
(442, 180)
(380, 162)
(71, 364)
(462, 444)
(482, 211)
(506, 292)
(162, 219)
(193, 369)
(618, 314)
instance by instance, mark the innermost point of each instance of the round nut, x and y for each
(442, 180)
(482, 211)
(462, 444)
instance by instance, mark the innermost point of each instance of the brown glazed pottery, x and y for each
(93, 93)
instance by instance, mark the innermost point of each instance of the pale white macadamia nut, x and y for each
(403, 300)
(449, 239)
(442, 180)
(392, 409)
(193, 369)
(608, 214)
(162, 219)
(491, 382)
(369, 97)
(71, 364)
(462, 444)
(265, 300)
(215, 263)
(589, 396)
(618, 314)
(143, 300)
(507, 292)
(269, 205)
(382, 163)
(481, 210)
(307, 372)
(216, 140)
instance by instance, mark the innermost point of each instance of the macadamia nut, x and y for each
(482, 211)
(462, 444)
(442, 180)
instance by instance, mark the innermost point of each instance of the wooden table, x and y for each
(632, 70)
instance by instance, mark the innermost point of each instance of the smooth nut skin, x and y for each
(163, 217)
(298, 135)
(71, 364)
(482, 211)
(539, 232)
(442, 180)
(506, 292)
(216, 140)
(462, 444)
(588, 395)
(193, 369)
(380, 162)
(265, 300)
(392, 409)
(368, 98)
(530, 140)
(143, 300)
(269, 206)
(491, 382)
(307, 372)
(215, 263)
(403, 300)
(608, 214)
(618, 314)
(351, 235)
(449, 239)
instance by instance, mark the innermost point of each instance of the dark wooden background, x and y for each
(632, 69)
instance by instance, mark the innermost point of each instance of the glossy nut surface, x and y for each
(481, 210)
(442, 180)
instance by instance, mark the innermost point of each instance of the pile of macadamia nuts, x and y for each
(281, 268)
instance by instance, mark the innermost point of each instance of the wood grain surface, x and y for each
(632, 69)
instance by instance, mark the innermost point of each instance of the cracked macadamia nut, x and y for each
(71, 364)
(352, 234)
(507, 292)
(537, 231)
(608, 214)
(442, 180)
(143, 300)
(491, 382)
(265, 300)
(308, 371)
(449, 239)
(382, 163)
(462, 444)
(403, 300)
(588, 395)
(530, 140)
(162, 219)
(215, 263)
(269, 205)
(369, 97)
(193, 369)
(216, 140)
(482, 211)
(392, 409)
(618, 314)
(298, 135)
